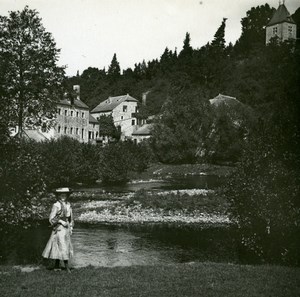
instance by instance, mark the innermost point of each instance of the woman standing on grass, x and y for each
(59, 246)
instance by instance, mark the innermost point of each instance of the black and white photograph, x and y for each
(150, 148)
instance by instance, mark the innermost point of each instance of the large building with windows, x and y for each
(123, 110)
(281, 25)
(73, 119)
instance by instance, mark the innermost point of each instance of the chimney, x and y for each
(144, 97)
(76, 89)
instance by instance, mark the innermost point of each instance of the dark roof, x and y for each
(112, 102)
(92, 120)
(281, 15)
(143, 131)
(77, 103)
(223, 99)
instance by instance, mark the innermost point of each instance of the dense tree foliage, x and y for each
(253, 28)
(264, 193)
(67, 162)
(22, 182)
(184, 121)
(108, 128)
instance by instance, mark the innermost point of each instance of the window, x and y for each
(72, 113)
(65, 130)
(82, 114)
(136, 109)
(77, 131)
(66, 112)
(275, 31)
(71, 130)
(77, 114)
(121, 117)
(59, 111)
(124, 108)
(290, 30)
(58, 129)
(82, 133)
(132, 122)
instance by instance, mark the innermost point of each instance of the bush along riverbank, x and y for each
(161, 171)
(183, 206)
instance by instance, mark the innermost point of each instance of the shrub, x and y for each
(22, 182)
(264, 202)
(66, 161)
(119, 159)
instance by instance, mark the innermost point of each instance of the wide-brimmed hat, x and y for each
(64, 190)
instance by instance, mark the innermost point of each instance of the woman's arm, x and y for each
(72, 218)
(52, 218)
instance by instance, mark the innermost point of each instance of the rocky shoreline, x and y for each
(147, 216)
(158, 207)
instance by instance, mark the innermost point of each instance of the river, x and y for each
(139, 244)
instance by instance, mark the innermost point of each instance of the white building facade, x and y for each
(123, 110)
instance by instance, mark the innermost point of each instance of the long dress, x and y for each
(59, 245)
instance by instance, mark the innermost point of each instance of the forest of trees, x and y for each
(214, 68)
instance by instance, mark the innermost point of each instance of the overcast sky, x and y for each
(89, 32)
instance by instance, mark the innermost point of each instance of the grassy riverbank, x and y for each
(196, 279)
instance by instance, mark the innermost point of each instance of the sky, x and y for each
(89, 32)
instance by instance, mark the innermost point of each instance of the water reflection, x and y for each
(189, 182)
(151, 245)
(106, 245)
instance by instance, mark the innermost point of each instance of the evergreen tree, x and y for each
(187, 50)
(218, 44)
(113, 72)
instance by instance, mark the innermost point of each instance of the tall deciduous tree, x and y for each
(184, 122)
(253, 28)
(32, 77)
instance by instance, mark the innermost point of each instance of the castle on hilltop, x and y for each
(281, 25)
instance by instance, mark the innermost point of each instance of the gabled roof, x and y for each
(143, 131)
(112, 102)
(92, 120)
(223, 99)
(77, 102)
(34, 134)
(281, 15)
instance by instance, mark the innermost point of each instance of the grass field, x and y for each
(195, 279)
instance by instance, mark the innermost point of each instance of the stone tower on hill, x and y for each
(281, 25)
